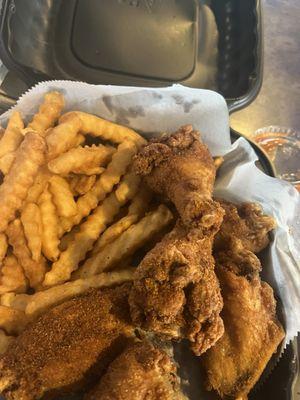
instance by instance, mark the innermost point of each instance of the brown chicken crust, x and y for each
(252, 335)
(245, 222)
(68, 347)
(142, 371)
(180, 167)
(175, 291)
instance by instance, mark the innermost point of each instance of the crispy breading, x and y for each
(175, 291)
(247, 223)
(252, 330)
(68, 347)
(180, 167)
(142, 371)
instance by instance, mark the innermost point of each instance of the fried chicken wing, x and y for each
(180, 167)
(142, 371)
(252, 330)
(247, 223)
(175, 291)
(68, 347)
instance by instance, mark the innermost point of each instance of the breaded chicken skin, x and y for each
(142, 371)
(180, 168)
(68, 347)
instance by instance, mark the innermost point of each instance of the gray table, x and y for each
(278, 102)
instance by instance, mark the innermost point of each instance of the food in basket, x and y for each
(77, 218)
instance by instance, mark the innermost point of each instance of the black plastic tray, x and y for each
(137, 42)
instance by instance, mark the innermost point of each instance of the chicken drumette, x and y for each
(180, 168)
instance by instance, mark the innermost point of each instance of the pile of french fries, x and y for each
(71, 215)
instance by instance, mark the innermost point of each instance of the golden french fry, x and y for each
(40, 182)
(12, 276)
(68, 238)
(81, 184)
(90, 171)
(136, 210)
(48, 113)
(34, 271)
(88, 233)
(110, 177)
(15, 301)
(5, 341)
(218, 161)
(50, 234)
(12, 137)
(130, 183)
(62, 196)
(6, 162)
(36, 304)
(3, 246)
(12, 321)
(81, 159)
(16, 183)
(98, 127)
(127, 243)
(32, 224)
(63, 137)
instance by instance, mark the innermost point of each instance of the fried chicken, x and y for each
(180, 168)
(68, 347)
(247, 223)
(175, 292)
(252, 330)
(142, 371)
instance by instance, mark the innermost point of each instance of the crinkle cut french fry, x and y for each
(32, 224)
(63, 137)
(88, 233)
(3, 246)
(68, 238)
(12, 321)
(130, 183)
(98, 127)
(13, 136)
(80, 159)
(13, 191)
(5, 341)
(127, 243)
(40, 182)
(90, 171)
(12, 276)
(62, 196)
(6, 162)
(110, 177)
(137, 208)
(48, 113)
(34, 305)
(81, 184)
(34, 271)
(50, 234)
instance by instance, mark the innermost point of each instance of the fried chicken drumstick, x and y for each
(180, 168)
(252, 330)
(68, 347)
(142, 371)
(175, 291)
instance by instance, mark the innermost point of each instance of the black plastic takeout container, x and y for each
(207, 44)
(213, 44)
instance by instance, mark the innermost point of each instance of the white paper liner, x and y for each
(151, 111)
